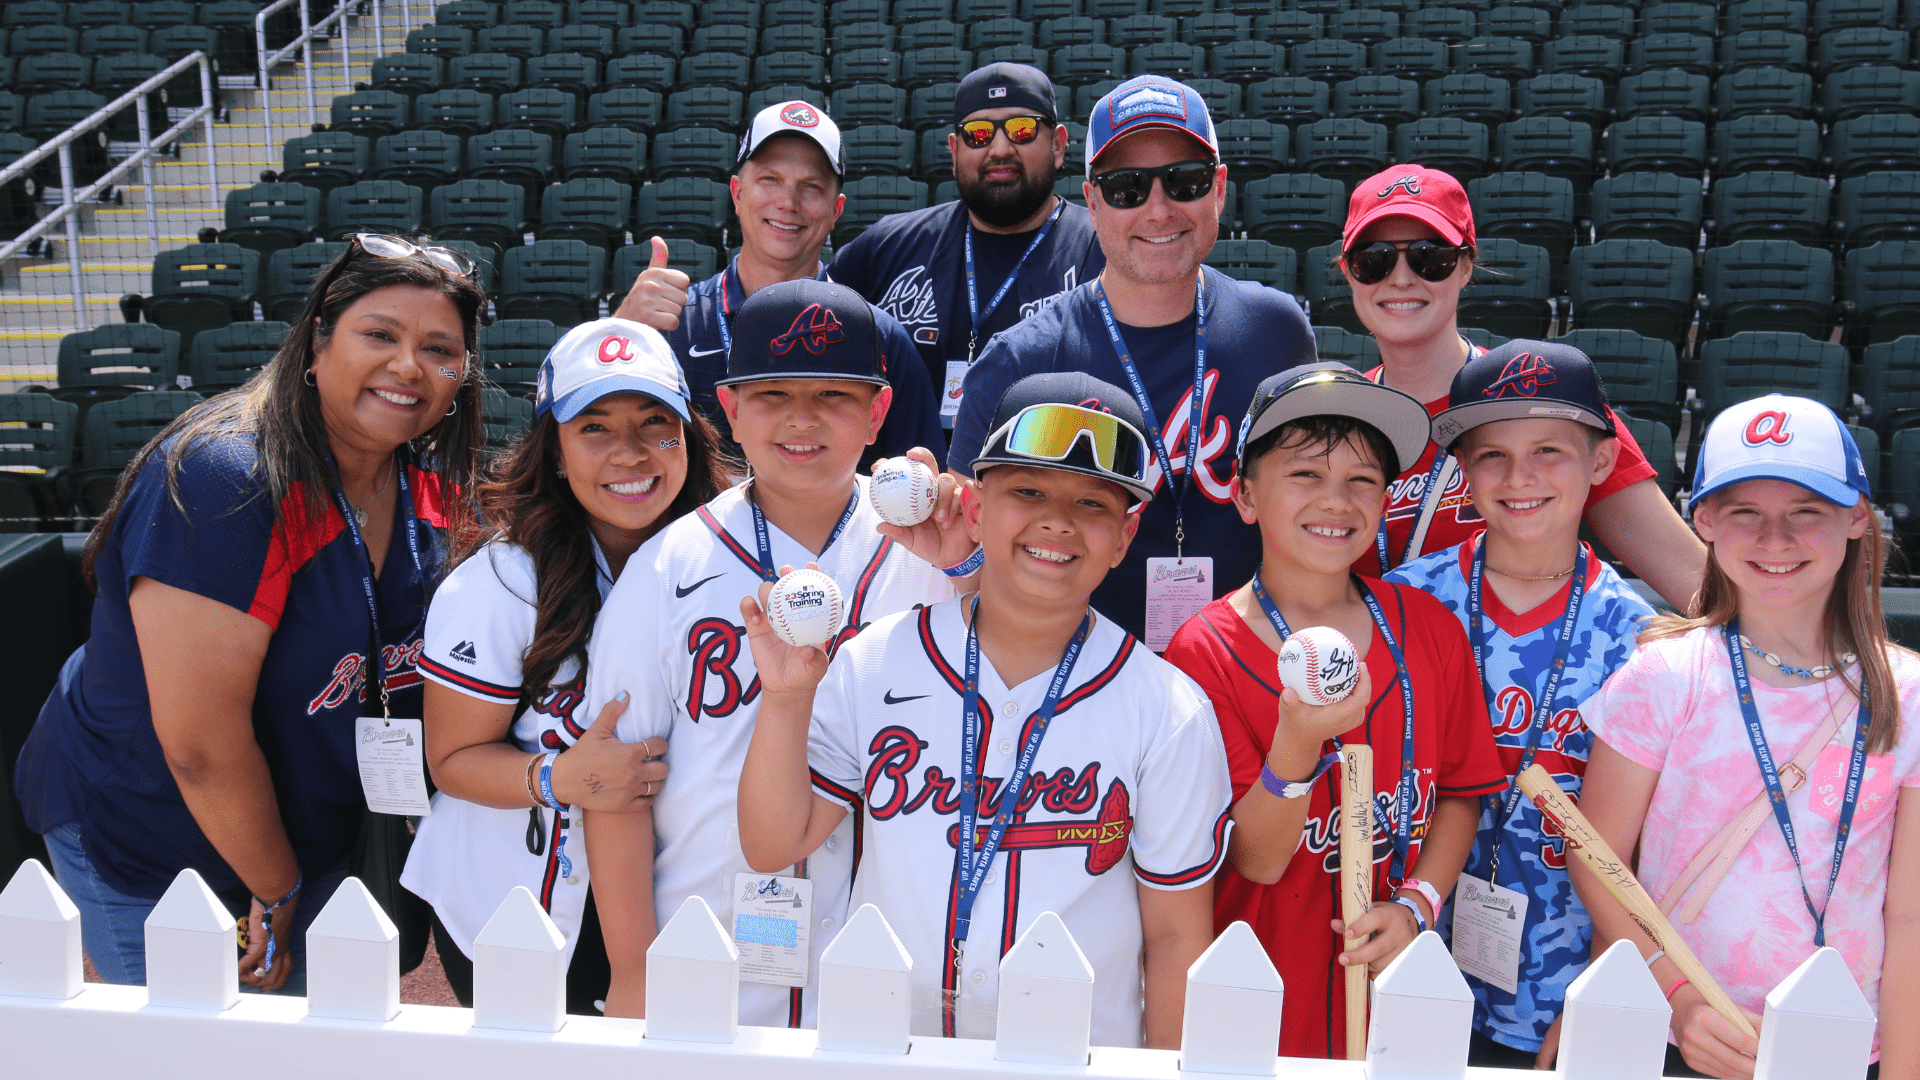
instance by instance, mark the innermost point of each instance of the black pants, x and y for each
(588, 976)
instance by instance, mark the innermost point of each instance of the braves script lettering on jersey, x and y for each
(1252, 332)
(1129, 785)
(1533, 860)
(467, 857)
(670, 635)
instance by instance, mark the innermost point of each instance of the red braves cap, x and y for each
(1411, 191)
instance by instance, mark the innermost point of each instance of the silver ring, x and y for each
(259, 973)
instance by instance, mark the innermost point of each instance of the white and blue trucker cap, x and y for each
(1778, 437)
(609, 356)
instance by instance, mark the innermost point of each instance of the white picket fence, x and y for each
(191, 1022)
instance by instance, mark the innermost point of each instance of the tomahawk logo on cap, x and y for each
(1521, 380)
(806, 329)
(813, 330)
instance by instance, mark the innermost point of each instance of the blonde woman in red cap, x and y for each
(1408, 252)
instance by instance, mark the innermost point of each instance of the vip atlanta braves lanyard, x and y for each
(376, 660)
(1542, 705)
(1856, 768)
(1146, 405)
(726, 306)
(1428, 493)
(768, 570)
(973, 289)
(971, 871)
(1403, 793)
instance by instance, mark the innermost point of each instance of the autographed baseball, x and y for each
(903, 491)
(805, 608)
(1319, 664)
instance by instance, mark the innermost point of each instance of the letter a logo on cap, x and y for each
(1410, 183)
(1522, 377)
(813, 329)
(1767, 427)
(614, 348)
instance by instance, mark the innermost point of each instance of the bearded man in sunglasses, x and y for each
(1190, 343)
(958, 273)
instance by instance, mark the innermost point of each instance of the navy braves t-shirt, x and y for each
(912, 420)
(93, 757)
(1252, 332)
(913, 267)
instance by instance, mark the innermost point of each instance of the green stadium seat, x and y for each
(934, 162)
(707, 106)
(1766, 142)
(291, 273)
(1861, 91)
(589, 40)
(1354, 349)
(1169, 58)
(1592, 55)
(1656, 442)
(39, 40)
(715, 71)
(1639, 285)
(612, 14)
(1011, 54)
(1641, 374)
(657, 39)
(112, 40)
(269, 216)
(159, 14)
(1328, 60)
(724, 37)
(779, 92)
(1050, 10)
(1141, 29)
(557, 280)
(1289, 28)
(1687, 95)
(49, 72)
(1415, 58)
(1878, 206)
(847, 37)
(1882, 292)
(678, 13)
(541, 13)
(612, 153)
(1763, 48)
(1447, 25)
(1225, 100)
(1648, 206)
(109, 362)
(424, 159)
(1547, 144)
(1662, 144)
(1903, 474)
(204, 286)
(1181, 9)
(112, 434)
(1378, 99)
(912, 11)
(871, 198)
(1071, 30)
(1767, 285)
(512, 350)
(1851, 46)
(592, 209)
(1366, 25)
(684, 206)
(1344, 150)
(1269, 264)
(371, 113)
(503, 417)
(515, 155)
(1579, 98)
(36, 448)
(1252, 149)
(1532, 208)
(491, 213)
(1787, 15)
(790, 68)
(1891, 382)
(1533, 25)
(1089, 94)
(1458, 147)
(459, 111)
(701, 151)
(1834, 14)
(540, 109)
(1681, 18)
(794, 13)
(1769, 206)
(474, 15)
(489, 74)
(1880, 142)
(931, 66)
(716, 12)
(1469, 96)
(1510, 293)
(386, 206)
(1216, 29)
(1296, 210)
(1755, 363)
(1079, 65)
(1602, 20)
(410, 74)
(867, 103)
(1329, 298)
(866, 65)
(226, 358)
(794, 37)
(878, 150)
(1292, 100)
(1682, 52)
(525, 42)
(1114, 9)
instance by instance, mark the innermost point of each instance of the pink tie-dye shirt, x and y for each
(1672, 709)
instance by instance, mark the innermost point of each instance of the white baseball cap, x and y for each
(609, 356)
(1777, 437)
(794, 118)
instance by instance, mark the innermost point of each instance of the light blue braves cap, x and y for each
(609, 356)
(1778, 437)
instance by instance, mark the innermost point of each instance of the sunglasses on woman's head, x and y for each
(387, 246)
(1021, 130)
(1370, 264)
(1183, 181)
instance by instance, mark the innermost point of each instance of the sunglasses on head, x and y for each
(1183, 181)
(1371, 263)
(1050, 432)
(1021, 130)
(387, 246)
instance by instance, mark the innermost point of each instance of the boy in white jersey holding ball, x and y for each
(1113, 758)
(1548, 622)
(805, 393)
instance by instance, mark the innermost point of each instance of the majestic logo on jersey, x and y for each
(714, 688)
(1104, 837)
(614, 349)
(910, 299)
(348, 682)
(464, 652)
(1408, 183)
(800, 115)
(1767, 427)
(1523, 376)
(813, 329)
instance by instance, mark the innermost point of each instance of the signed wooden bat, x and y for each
(1356, 878)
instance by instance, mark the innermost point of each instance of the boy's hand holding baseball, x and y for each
(783, 668)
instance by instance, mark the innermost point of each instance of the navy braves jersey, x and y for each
(912, 420)
(913, 266)
(1252, 332)
(1520, 648)
(93, 756)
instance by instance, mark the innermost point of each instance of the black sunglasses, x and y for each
(1371, 263)
(1183, 181)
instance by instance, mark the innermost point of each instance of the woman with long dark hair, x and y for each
(263, 557)
(614, 455)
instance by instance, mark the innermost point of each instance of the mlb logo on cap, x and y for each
(1778, 437)
(1149, 101)
(996, 91)
(608, 356)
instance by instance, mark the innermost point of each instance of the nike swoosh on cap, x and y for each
(680, 591)
(891, 700)
(703, 352)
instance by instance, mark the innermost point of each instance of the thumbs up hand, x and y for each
(658, 294)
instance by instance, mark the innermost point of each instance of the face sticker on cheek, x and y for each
(449, 373)
(668, 444)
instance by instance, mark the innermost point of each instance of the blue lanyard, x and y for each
(1777, 795)
(726, 308)
(378, 661)
(1146, 405)
(1427, 495)
(1403, 797)
(1550, 693)
(768, 570)
(969, 870)
(973, 290)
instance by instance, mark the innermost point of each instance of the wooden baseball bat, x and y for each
(1618, 879)
(1356, 878)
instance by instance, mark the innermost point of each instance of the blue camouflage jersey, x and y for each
(1520, 648)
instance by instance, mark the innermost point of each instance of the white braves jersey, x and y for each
(1130, 784)
(467, 857)
(670, 635)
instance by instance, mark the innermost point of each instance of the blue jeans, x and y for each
(113, 925)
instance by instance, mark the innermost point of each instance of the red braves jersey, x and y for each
(1454, 757)
(1129, 785)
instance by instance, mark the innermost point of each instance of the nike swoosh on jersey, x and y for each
(891, 700)
(680, 592)
(702, 352)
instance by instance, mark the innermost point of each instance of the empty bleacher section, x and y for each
(1716, 200)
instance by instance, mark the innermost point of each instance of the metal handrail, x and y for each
(309, 30)
(100, 116)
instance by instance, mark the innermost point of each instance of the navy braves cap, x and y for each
(1098, 433)
(1149, 101)
(1330, 388)
(1520, 380)
(1005, 86)
(807, 329)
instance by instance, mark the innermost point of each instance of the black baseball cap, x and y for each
(1330, 388)
(1523, 379)
(806, 329)
(1005, 86)
(1071, 421)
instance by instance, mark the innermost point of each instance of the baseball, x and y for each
(903, 491)
(1319, 664)
(805, 608)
